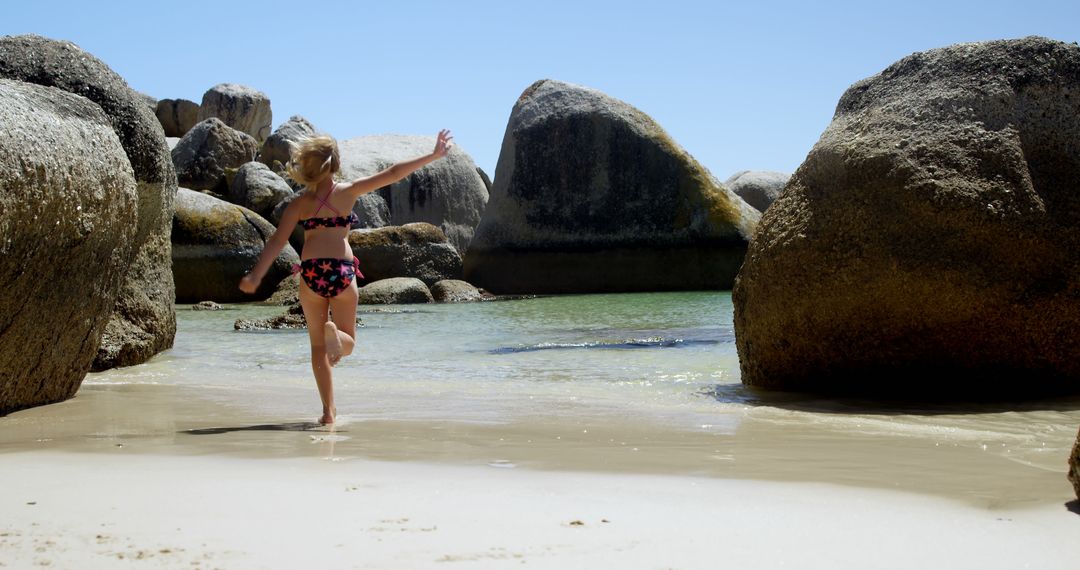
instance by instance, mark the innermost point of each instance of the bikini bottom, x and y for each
(327, 276)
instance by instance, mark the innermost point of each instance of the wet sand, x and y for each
(172, 477)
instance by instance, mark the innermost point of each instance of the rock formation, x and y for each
(929, 246)
(448, 193)
(591, 195)
(394, 291)
(66, 210)
(177, 116)
(215, 243)
(242, 108)
(258, 189)
(144, 320)
(205, 153)
(757, 188)
(414, 250)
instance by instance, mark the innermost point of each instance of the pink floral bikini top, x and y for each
(338, 221)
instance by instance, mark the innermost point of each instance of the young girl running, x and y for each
(328, 269)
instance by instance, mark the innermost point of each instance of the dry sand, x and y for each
(91, 483)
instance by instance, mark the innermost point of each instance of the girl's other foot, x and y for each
(328, 416)
(333, 343)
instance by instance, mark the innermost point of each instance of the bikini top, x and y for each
(338, 221)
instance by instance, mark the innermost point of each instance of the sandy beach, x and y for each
(187, 482)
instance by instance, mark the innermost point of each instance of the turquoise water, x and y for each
(497, 361)
(632, 382)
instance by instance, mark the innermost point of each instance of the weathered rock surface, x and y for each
(448, 193)
(69, 197)
(591, 195)
(177, 116)
(239, 106)
(455, 291)
(759, 188)
(207, 306)
(258, 189)
(414, 250)
(215, 243)
(144, 319)
(277, 149)
(207, 150)
(395, 291)
(1074, 467)
(929, 246)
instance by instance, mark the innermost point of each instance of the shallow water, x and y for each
(637, 382)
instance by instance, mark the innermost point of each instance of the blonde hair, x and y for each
(313, 160)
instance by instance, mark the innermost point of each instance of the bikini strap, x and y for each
(323, 201)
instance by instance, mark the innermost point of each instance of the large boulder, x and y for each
(239, 106)
(67, 200)
(929, 246)
(143, 322)
(209, 149)
(414, 250)
(215, 243)
(177, 116)
(395, 291)
(258, 189)
(591, 195)
(448, 193)
(277, 149)
(759, 188)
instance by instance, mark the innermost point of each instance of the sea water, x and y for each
(638, 382)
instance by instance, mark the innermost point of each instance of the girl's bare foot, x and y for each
(333, 343)
(328, 416)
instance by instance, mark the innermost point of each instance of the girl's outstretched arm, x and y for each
(273, 247)
(400, 170)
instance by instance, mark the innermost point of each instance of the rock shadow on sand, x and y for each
(843, 404)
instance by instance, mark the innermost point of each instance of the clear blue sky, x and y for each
(746, 85)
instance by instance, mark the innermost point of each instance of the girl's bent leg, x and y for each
(343, 326)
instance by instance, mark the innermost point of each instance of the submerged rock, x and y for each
(143, 322)
(757, 188)
(239, 106)
(207, 306)
(66, 210)
(396, 290)
(414, 250)
(215, 244)
(591, 195)
(456, 291)
(929, 246)
(448, 193)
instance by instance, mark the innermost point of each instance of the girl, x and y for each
(328, 269)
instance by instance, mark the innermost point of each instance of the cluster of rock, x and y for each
(87, 207)
(929, 246)
(416, 228)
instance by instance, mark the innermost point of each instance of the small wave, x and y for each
(654, 342)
